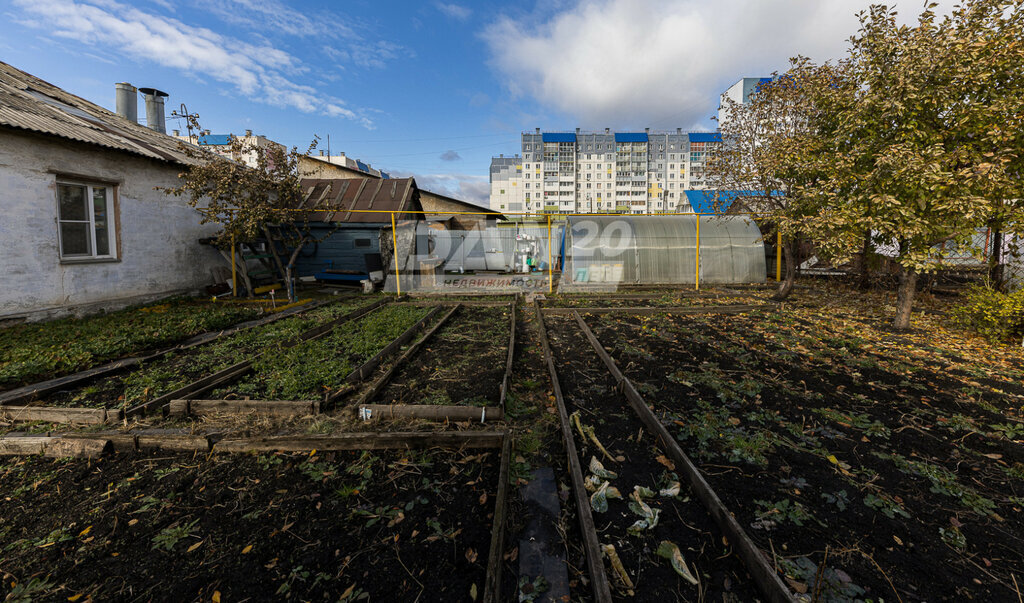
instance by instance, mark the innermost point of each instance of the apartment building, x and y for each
(601, 172)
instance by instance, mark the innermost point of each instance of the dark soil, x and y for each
(395, 525)
(462, 363)
(589, 389)
(823, 447)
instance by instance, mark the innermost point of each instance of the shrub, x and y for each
(993, 315)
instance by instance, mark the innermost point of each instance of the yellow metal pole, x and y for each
(551, 278)
(696, 274)
(394, 253)
(778, 258)
(234, 274)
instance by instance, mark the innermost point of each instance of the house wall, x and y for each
(159, 253)
(336, 247)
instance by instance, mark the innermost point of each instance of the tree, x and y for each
(918, 136)
(762, 159)
(246, 201)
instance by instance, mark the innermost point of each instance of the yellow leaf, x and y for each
(832, 459)
(194, 546)
(246, 550)
(75, 597)
(216, 596)
(348, 591)
(84, 532)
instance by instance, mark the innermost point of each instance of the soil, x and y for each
(463, 363)
(396, 526)
(589, 389)
(869, 468)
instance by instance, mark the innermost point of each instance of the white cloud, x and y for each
(466, 187)
(450, 155)
(454, 11)
(257, 70)
(272, 15)
(660, 63)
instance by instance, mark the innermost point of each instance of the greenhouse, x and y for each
(648, 250)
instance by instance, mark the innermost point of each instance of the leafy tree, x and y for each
(246, 201)
(763, 155)
(920, 137)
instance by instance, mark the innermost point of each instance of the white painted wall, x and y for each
(159, 253)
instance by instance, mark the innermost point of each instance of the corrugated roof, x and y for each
(31, 104)
(342, 195)
(630, 137)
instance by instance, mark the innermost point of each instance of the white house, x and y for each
(83, 227)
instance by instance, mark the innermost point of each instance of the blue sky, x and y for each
(431, 89)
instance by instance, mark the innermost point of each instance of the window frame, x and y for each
(113, 224)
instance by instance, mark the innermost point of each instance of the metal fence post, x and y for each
(394, 254)
(778, 258)
(551, 278)
(234, 274)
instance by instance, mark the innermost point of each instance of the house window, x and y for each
(86, 221)
(362, 242)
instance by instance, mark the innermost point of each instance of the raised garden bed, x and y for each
(463, 362)
(33, 351)
(372, 525)
(314, 369)
(863, 458)
(606, 430)
(140, 384)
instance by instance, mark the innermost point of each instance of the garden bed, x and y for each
(34, 351)
(463, 363)
(150, 380)
(639, 466)
(373, 525)
(864, 459)
(316, 368)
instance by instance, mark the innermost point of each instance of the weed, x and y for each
(168, 537)
(839, 499)
(889, 507)
(783, 510)
(953, 537)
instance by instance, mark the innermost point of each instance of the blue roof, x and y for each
(215, 139)
(703, 201)
(558, 137)
(630, 137)
(705, 137)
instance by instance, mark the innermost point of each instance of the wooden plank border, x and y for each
(364, 441)
(492, 584)
(272, 408)
(595, 564)
(765, 576)
(59, 414)
(432, 412)
(648, 310)
(511, 353)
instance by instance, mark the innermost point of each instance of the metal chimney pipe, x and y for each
(154, 109)
(127, 101)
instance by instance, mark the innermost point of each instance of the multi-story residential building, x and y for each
(601, 172)
(221, 144)
(740, 93)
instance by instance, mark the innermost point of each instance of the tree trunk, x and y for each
(864, 280)
(289, 269)
(905, 298)
(995, 260)
(786, 287)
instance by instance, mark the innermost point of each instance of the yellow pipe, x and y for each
(550, 276)
(474, 213)
(696, 274)
(778, 258)
(234, 275)
(394, 253)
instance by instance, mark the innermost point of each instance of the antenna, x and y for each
(328, 147)
(191, 119)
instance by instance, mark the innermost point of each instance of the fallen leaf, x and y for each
(897, 539)
(216, 596)
(194, 546)
(661, 458)
(483, 498)
(348, 591)
(75, 597)
(472, 592)
(133, 522)
(471, 555)
(85, 531)
(246, 550)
